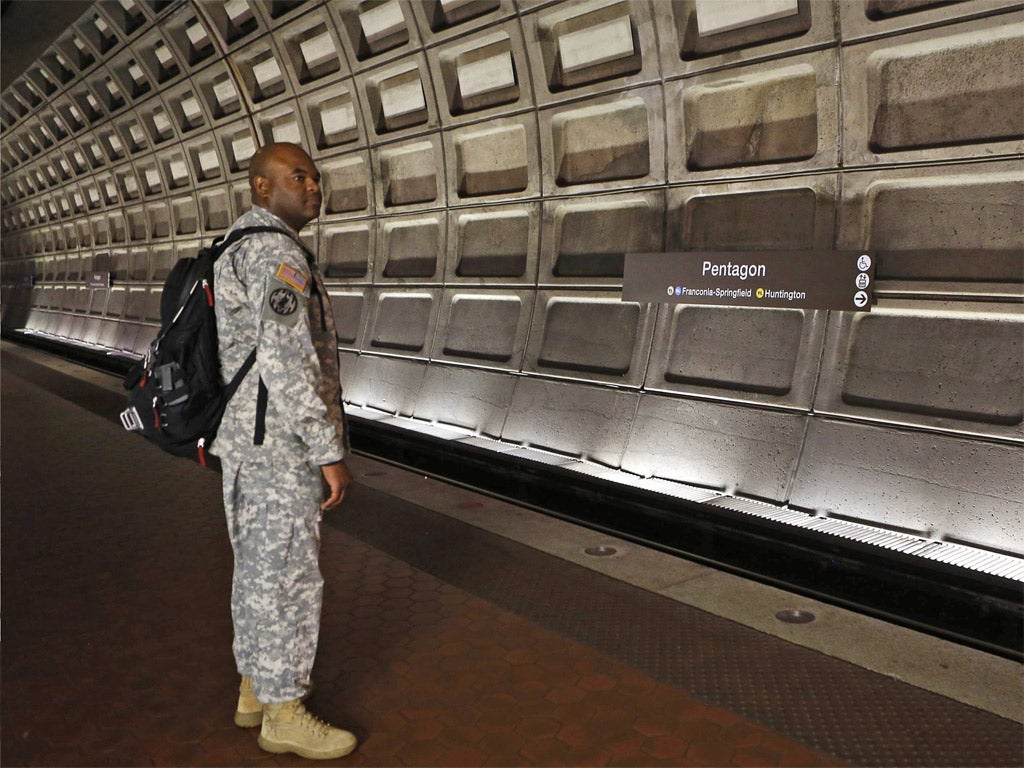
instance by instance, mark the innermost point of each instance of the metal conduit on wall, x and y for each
(486, 165)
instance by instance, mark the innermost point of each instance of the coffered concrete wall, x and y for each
(487, 164)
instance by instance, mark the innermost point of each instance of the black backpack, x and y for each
(175, 396)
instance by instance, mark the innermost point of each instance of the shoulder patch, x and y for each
(291, 276)
(283, 302)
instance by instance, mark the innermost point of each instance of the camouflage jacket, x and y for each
(270, 295)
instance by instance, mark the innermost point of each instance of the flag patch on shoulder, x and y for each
(291, 276)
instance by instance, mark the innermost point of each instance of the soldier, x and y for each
(282, 437)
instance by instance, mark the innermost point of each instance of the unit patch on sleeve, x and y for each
(284, 302)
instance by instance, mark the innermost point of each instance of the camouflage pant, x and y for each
(273, 519)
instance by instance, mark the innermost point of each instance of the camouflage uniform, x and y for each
(269, 296)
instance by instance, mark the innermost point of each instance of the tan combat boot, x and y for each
(289, 727)
(249, 712)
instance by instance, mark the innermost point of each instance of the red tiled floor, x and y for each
(117, 633)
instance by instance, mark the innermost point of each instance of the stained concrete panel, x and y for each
(465, 397)
(345, 184)
(930, 95)
(498, 158)
(754, 35)
(409, 173)
(586, 422)
(346, 251)
(752, 216)
(586, 240)
(589, 336)
(388, 384)
(928, 483)
(746, 450)
(871, 18)
(601, 143)
(411, 247)
(961, 227)
(483, 328)
(925, 364)
(402, 322)
(737, 353)
(493, 244)
(349, 310)
(777, 115)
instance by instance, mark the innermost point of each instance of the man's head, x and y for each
(285, 181)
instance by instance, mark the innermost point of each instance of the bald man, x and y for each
(282, 441)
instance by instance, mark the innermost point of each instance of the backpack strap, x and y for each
(220, 245)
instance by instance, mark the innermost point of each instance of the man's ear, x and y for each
(261, 186)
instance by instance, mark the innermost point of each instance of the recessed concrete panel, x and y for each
(280, 123)
(313, 51)
(925, 364)
(349, 310)
(740, 353)
(465, 397)
(215, 210)
(926, 95)
(345, 183)
(493, 244)
(235, 21)
(589, 336)
(701, 35)
(779, 115)
(480, 75)
(586, 240)
(388, 384)
(185, 31)
(602, 142)
(606, 143)
(260, 67)
(911, 106)
(346, 250)
(397, 98)
(411, 247)
(216, 86)
(928, 483)
(869, 18)
(495, 158)
(334, 117)
(582, 48)
(960, 226)
(755, 215)
(770, 117)
(485, 328)
(745, 450)
(374, 32)
(444, 19)
(587, 422)
(410, 173)
(402, 322)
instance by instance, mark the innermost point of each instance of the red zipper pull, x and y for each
(156, 415)
(209, 292)
(202, 451)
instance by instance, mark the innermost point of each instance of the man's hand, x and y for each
(338, 479)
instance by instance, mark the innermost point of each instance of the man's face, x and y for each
(292, 190)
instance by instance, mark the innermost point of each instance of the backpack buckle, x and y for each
(130, 420)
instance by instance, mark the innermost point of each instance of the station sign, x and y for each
(97, 279)
(840, 280)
